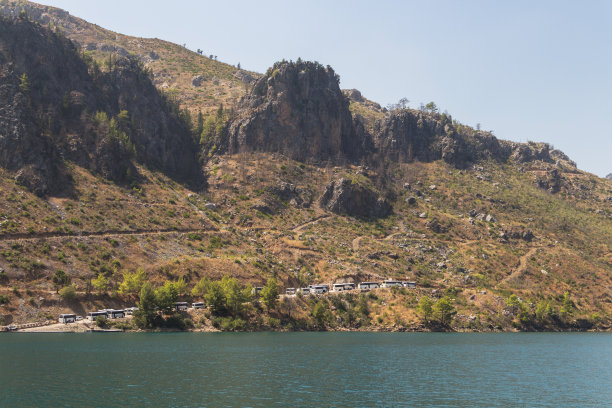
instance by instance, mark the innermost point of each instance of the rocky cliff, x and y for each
(55, 107)
(296, 109)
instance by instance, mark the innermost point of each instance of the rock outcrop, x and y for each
(609, 176)
(55, 107)
(405, 135)
(296, 109)
(344, 197)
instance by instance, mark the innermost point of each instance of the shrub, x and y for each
(4, 299)
(60, 279)
(101, 321)
(229, 323)
(68, 293)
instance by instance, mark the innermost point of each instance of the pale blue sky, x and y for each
(528, 70)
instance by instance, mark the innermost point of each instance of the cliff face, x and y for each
(57, 107)
(405, 135)
(296, 109)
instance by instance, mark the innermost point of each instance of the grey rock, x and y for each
(343, 197)
(197, 80)
(244, 76)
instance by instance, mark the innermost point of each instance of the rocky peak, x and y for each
(56, 107)
(296, 109)
(609, 176)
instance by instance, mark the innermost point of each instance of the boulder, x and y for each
(197, 80)
(344, 197)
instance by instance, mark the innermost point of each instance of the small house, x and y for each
(409, 284)
(198, 305)
(256, 290)
(181, 306)
(342, 287)
(115, 314)
(290, 291)
(319, 289)
(94, 315)
(368, 285)
(390, 283)
(67, 318)
(303, 291)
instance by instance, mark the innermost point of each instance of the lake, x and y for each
(306, 370)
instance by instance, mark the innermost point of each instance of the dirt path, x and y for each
(314, 220)
(522, 267)
(88, 234)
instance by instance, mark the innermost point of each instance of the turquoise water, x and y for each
(305, 370)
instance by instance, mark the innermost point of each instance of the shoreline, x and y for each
(88, 327)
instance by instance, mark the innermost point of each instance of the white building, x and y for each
(67, 318)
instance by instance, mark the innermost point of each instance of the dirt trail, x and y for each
(522, 267)
(314, 220)
(87, 234)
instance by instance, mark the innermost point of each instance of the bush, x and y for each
(68, 293)
(101, 321)
(60, 279)
(274, 322)
(4, 299)
(229, 323)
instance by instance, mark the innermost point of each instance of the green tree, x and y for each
(567, 306)
(181, 286)
(215, 298)
(68, 292)
(425, 308)
(145, 316)
(363, 307)
(444, 310)
(269, 294)
(543, 311)
(320, 312)
(201, 288)
(431, 107)
(132, 282)
(100, 283)
(235, 295)
(24, 83)
(166, 296)
(60, 279)
(513, 303)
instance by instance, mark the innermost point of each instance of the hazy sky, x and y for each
(527, 70)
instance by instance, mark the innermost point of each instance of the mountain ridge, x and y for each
(306, 183)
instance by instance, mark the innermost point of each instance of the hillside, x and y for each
(300, 181)
(196, 81)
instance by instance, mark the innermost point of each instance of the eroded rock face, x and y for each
(406, 135)
(296, 109)
(343, 197)
(52, 110)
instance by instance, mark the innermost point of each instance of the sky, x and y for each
(527, 70)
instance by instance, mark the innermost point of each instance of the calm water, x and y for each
(305, 370)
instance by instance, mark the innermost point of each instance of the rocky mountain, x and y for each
(609, 176)
(102, 142)
(57, 106)
(296, 109)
